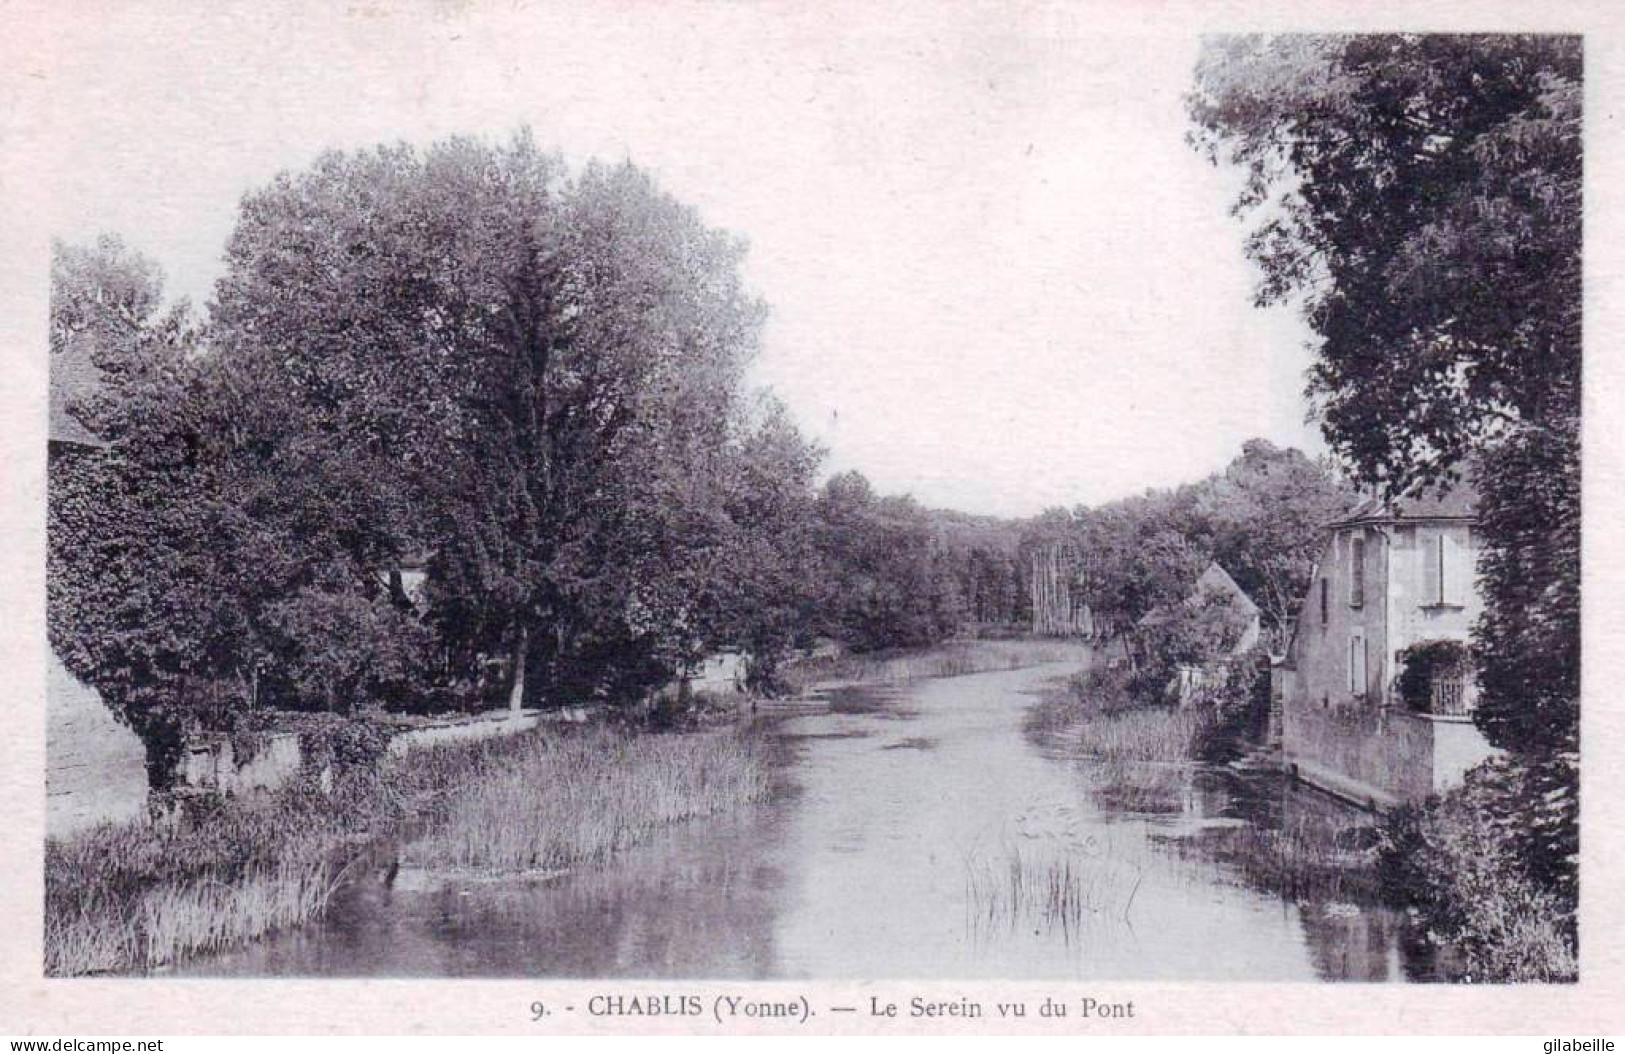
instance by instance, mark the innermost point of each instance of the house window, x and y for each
(1357, 573)
(1357, 671)
(1323, 608)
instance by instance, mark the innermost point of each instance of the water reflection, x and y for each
(922, 831)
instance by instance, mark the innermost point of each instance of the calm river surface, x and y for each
(915, 832)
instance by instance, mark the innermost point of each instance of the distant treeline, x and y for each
(1262, 519)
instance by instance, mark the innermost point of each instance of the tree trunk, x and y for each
(516, 695)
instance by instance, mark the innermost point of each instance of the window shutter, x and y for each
(1357, 674)
(1323, 606)
(1432, 582)
(1458, 570)
(1357, 573)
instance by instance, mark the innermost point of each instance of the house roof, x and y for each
(1457, 501)
(1214, 579)
(74, 377)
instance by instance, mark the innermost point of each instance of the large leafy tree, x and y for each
(1267, 513)
(1420, 197)
(532, 374)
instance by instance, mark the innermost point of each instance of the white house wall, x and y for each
(95, 767)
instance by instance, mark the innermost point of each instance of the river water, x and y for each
(924, 831)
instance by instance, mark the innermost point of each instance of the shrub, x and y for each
(1185, 633)
(342, 742)
(1103, 689)
(1457, 862)
(1422, 663)
(339, 650)
(1235, 693)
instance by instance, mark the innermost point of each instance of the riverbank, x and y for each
(131, 898)
(952, 658)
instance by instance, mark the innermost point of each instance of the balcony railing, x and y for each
(1450, 697)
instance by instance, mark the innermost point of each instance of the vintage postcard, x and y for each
(1053, 518)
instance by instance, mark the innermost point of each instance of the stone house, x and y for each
(1392, 574)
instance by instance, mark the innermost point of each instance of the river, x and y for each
(922, 831)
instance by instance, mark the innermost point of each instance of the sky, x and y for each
(999, 278)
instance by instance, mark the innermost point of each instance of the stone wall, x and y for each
(465, 729)
(1376, 758)
(211, 763)
(1381, 758)
(1458, 745)
(95, 767)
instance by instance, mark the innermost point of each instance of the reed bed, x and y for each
(108, 928)
(129, 898)
(1158, 733)
(121, 898)
(209, 913)
(582, 798)
(1096, 714)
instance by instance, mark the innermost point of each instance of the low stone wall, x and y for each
(1458, 745)
(465, 729)
(1379, 758)
(210, 763)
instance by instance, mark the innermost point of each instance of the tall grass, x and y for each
(119, 899)
(948, 659)
(1302, 860)
(1097, 714)
(1153, 734)
(209, 913)
(584, 797)
(135, 896)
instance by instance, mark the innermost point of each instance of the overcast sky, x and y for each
(1000, 280)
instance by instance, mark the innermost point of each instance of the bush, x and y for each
(345, 743)
(339, 650)
(1185, 634)
(1425, 661)
(1104, 689)
(1235, 693)
(1457, 862)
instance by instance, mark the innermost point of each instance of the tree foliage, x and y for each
(539, 374)
(1419, 195)
(532, 376)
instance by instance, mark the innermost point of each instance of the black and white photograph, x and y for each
(745, 493)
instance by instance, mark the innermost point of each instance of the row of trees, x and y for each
(530, 377)
(1419, 196)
